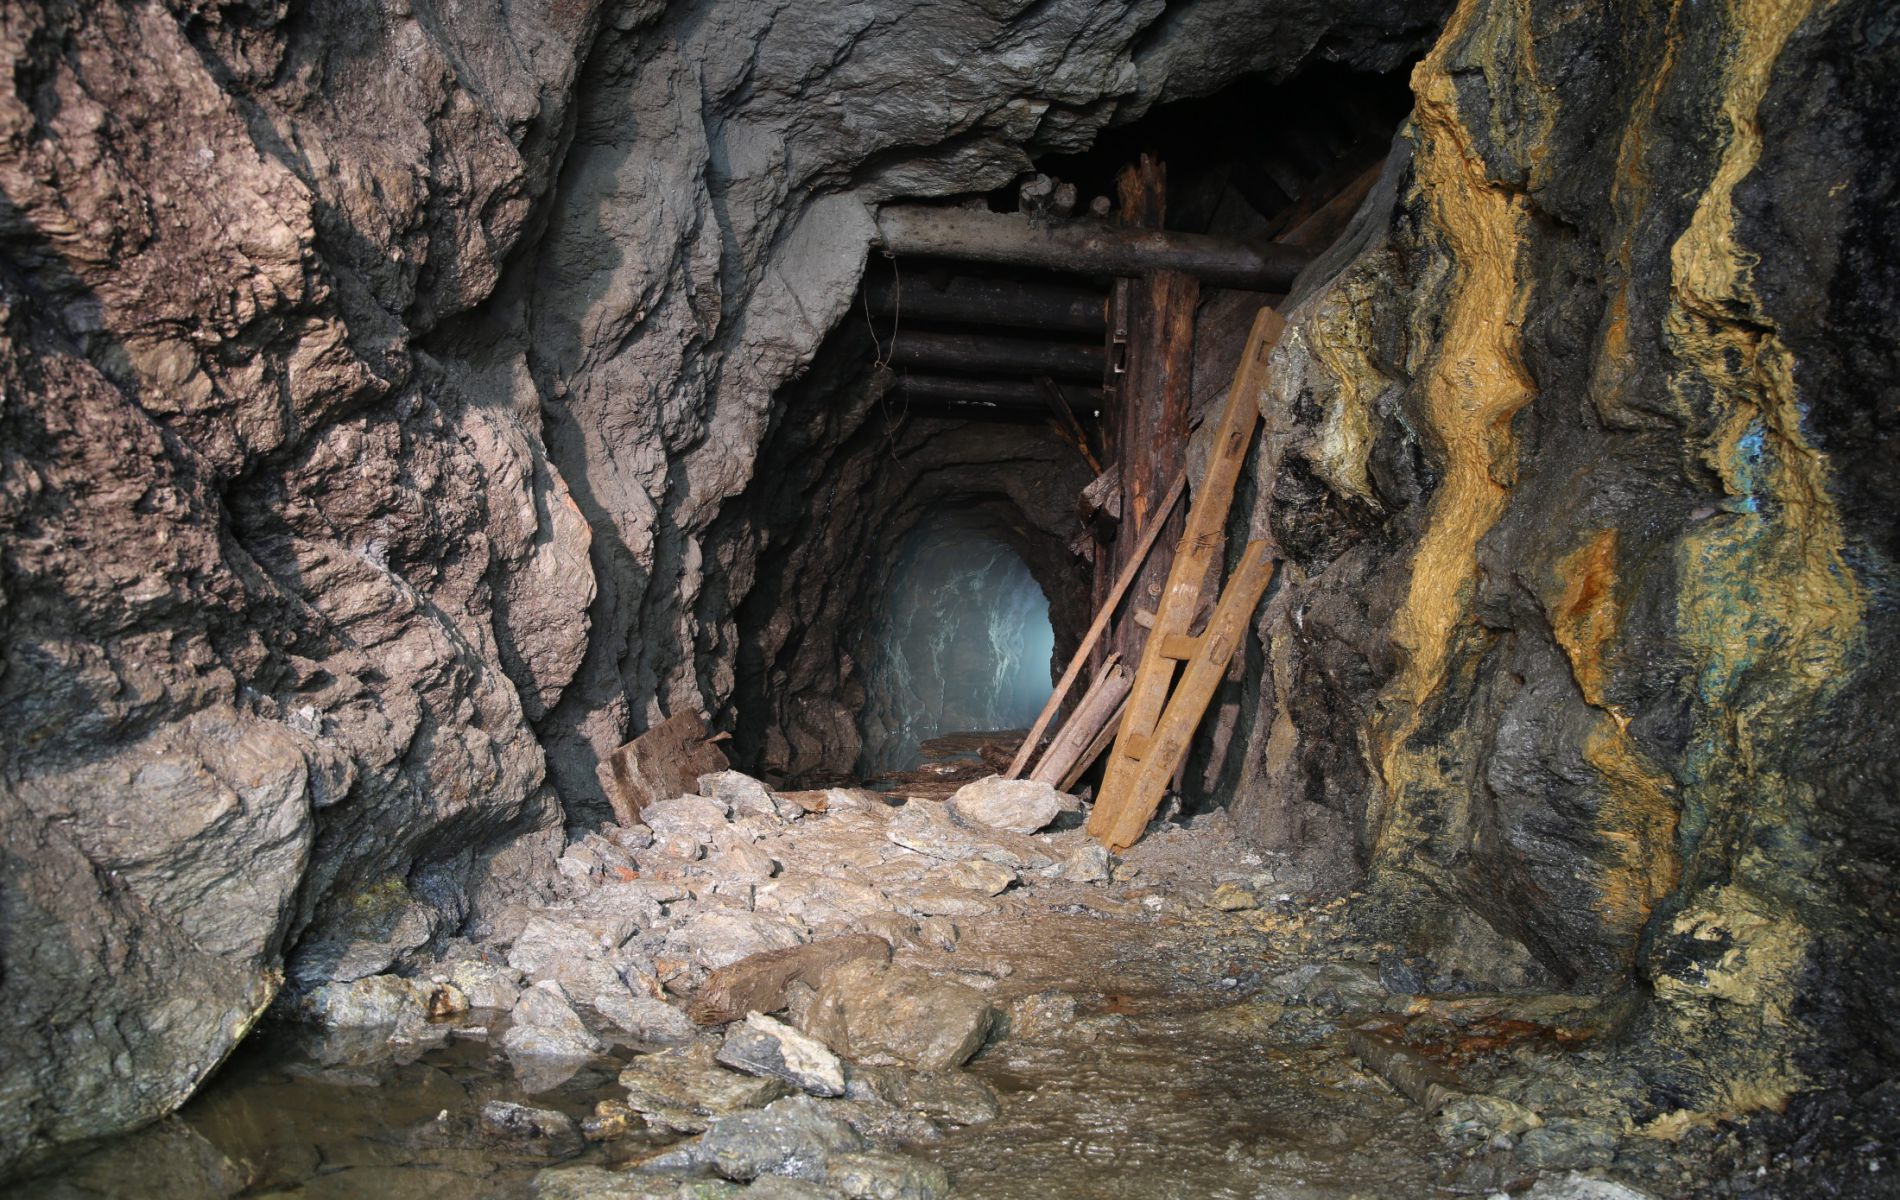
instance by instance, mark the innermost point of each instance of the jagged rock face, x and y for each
(300, 600)
(1580, 648)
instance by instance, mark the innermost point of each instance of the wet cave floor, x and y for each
(1193, 1028)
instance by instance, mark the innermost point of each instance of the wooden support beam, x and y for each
(969, 300)
(1023, 394)
(1085, 247)
(1094, 750)
(980, 354)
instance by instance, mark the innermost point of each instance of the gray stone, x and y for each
(683, 1090)
(485, 984)
(540, 1130)
(1039, 1015)
(794, 1136)
(380, 1000)
(647, 1019)
(1088, 863)
(1567, 1143)
(879, 1014)
(599, 1183)
(762, 1046)
(927, 827)
(545, 1025)
(742, 795)
(987, 878)
(724, 936)
(684, 825)
(948, 902)
(880, 1175)
(952, 1097)
(1577, 1186)
(1018, 805)
(938, 933)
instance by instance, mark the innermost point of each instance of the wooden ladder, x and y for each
(1160, 718)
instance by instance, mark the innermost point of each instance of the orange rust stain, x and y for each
(1585, 618)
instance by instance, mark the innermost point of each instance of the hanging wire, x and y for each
(881, 360)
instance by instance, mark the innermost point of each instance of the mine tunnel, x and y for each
(1087, 598)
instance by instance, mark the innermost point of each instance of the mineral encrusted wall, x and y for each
(374, 374)
(1584, 462)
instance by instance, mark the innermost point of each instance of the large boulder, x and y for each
(878, 1014)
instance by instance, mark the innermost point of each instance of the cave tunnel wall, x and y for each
(387, 401)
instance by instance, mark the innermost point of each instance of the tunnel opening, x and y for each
(1064, 391)
(960, 642)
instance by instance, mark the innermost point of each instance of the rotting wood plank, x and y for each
(1098, 744)
(1207, 518)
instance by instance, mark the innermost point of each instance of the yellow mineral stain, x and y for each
(1472, 388)
(1767, 594)
(1629, 195)
(1638, 815)
(1585, 617)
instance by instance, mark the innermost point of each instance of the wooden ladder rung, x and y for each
(1179, 647)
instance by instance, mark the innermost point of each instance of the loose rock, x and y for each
(683, 1090)
(546, 1026)
(794, 1136)
(762, 1046)
(723, 937)
(877, 1175)
(541, 1130)
(882, 1015)
(1018, 805)
(647, 1019)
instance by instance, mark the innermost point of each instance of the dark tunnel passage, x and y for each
(976, 404)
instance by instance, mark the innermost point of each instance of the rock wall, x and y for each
(374, 372)
(1581, 451)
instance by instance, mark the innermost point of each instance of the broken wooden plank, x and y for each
(971, 300)
(665, 761)
(1099, 705)
(984, 354)
(1130, 808)
(1085, 246)
(1094, 633)
(1099, 743)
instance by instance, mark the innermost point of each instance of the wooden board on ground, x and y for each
(665, 761)
(1128, 787)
